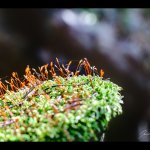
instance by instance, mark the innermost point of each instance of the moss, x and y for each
(79, 108)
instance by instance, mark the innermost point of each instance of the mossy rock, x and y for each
(75, 108)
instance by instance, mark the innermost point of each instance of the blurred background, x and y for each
(116, 40)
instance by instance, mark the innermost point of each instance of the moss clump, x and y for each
(79, 108)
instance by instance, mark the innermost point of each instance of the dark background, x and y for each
(117, 40)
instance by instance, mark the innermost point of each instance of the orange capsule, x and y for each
(101, 73)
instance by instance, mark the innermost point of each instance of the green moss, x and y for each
(48, 115)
